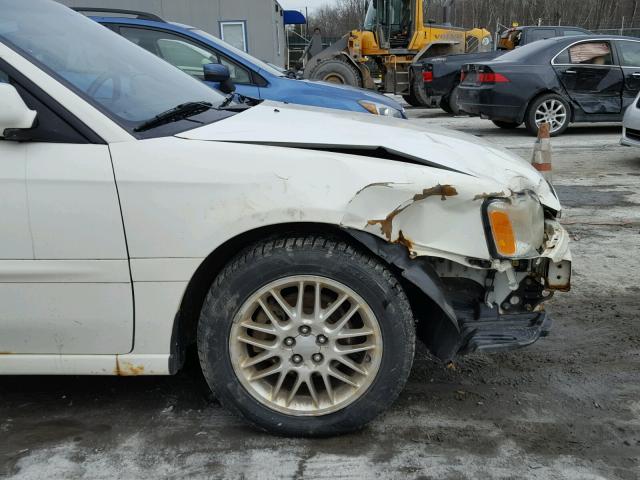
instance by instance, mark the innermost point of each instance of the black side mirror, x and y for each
(218, 73)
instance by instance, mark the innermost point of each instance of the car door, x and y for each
(629, 55)
(591, 77)
(190, 56)
(65, 286)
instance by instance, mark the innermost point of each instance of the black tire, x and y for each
(274, 259)
(506, 125)
(449, 103)
(444, 104)
(411, 100)
(417, 96)
(529, 118)
(337, 71)
(453, 100)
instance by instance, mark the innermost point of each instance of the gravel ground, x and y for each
(568, 407)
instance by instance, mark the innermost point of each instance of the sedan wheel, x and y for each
(306, 336)
(551, 109)
(305, 345)
(552, 112)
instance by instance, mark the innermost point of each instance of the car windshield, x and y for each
(126, 82)
(241, 54)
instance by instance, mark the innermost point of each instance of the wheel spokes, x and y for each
(552, 112)
(306, 345)
(334, 306)
(259, 358)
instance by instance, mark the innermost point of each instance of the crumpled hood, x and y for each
(280, 124)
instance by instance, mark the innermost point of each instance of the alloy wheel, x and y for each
(553, 112)
(305, 345)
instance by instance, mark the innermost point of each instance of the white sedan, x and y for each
(631, 125)
(301, 249)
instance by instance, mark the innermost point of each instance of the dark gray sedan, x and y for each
(558, 81)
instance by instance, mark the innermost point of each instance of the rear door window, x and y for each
(591, 53)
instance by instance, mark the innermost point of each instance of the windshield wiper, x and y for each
(182, 111)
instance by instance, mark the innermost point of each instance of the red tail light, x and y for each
(463, 75)
(427, 76)
(491, 77)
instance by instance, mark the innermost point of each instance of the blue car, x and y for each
(189, 49)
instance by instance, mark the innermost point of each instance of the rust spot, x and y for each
(127, 369)
(386, 224)
(402, 240)
(482, 196)
(443, 191)
(6, 353)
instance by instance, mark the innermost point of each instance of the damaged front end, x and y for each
(482, 263)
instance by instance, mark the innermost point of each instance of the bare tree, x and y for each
(346, 15)
(336, 20)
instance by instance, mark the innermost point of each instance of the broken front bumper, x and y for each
(496, 333)
(471, 300)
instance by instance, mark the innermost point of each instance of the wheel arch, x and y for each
(427, 301)
(541, 92)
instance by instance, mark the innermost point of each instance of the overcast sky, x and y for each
(301, 4)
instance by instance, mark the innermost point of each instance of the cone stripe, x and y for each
(542, 167)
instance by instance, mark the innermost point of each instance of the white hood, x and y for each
(286, 124)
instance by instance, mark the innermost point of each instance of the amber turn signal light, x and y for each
(502, 231)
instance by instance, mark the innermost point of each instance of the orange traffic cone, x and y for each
(541, 159)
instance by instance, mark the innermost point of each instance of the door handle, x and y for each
(636, 74)
(570, 71)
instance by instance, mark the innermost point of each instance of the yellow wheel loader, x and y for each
(394, 36)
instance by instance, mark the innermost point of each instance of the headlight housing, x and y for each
(514, 226)
(380, 109)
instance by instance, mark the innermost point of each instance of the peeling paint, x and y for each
(127, 369)
(443, 191)
(482, 196)
(386, 224)
(403, 240)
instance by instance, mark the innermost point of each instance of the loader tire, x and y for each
(337, 71)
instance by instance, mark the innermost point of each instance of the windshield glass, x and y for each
(241, 54)
(370, 18)
(126, 82)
